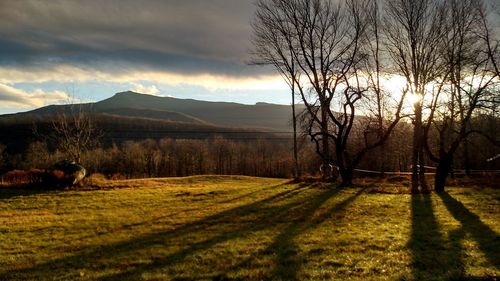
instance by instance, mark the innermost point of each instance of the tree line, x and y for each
(266, 157)
(170, 157)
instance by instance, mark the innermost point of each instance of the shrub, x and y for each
(19, 177)
(117, 176)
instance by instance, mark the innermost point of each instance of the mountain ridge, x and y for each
(133, 116)
(266, 116)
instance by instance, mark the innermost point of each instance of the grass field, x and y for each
(240, 228)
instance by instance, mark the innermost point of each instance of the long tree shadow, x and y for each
(291, 212)
(284, 247)
(250, 194)
(487, 239)
(223, 226)
(156, 219)
(13, 192)
(432, 256)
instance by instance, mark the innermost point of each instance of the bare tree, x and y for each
(471, 85)
(488, 35)
(274, 47)
(382, 108)
(74, 131)
(317, 38)
(319, 47)
(414, 31)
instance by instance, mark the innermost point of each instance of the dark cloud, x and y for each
(201, 36)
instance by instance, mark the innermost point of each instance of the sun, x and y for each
(395, 84)
(414, 98)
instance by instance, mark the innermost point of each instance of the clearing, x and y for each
(240, 228)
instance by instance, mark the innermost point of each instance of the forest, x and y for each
(233, 152)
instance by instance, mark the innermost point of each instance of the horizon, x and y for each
(71, 101)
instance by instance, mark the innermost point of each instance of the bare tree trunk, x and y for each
(381, 158)
(326, 152)
(417, 133)
(466, 158)
(418, 168)
(346, 175)
(296, 168)
(421, 170)
(442, 171)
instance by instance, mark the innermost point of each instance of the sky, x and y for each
(60, 51)
(57, 51)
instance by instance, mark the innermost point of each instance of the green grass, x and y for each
(239, 228)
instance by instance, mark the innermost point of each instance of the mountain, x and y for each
(133, 116)
(154, 114)
(264, 116)
(260, 115)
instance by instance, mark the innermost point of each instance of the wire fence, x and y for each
(455, 171)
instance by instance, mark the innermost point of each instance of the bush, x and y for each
(20, 177)
(117, 176)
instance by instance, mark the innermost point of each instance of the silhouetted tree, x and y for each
(274, 47)
(471, 83)
(320, 47)
(413, 31)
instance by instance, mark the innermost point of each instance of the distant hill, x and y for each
(154, 114)
(133, 116)
(260, 115)
(264, 116)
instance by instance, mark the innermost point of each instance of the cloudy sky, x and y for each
(89, 50)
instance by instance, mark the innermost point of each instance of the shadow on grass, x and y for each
(433, 257)
(187, 210)
(283, 246)
(294, 213)
(18, 191)
(487, 239)
(252, 193)
(227, 225)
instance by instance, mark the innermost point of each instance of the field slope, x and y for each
(240, 228)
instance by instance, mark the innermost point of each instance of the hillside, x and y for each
(133, 116)
(18, 133)
(261, 115)
(154, 114)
